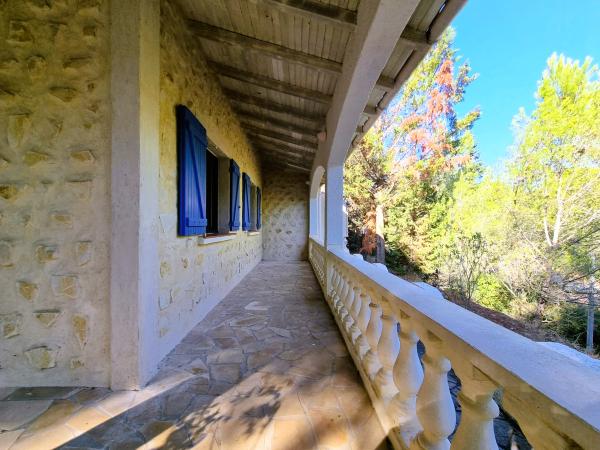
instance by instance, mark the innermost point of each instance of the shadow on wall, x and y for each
(285, 215)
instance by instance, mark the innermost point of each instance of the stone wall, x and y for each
(54, 195)
(285, 215)
(193, 278)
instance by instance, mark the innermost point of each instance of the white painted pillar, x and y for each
(379, 26)
(321, 202)
(313, 224)
(315, 217)
(135, 59)
(334, 207)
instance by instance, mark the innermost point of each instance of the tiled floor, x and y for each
(266, 369)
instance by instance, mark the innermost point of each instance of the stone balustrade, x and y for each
(318, 256)
(554, 399)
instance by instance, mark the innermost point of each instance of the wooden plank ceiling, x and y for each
(279, 60)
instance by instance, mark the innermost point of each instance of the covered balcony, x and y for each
(172, 251)
(266, 369)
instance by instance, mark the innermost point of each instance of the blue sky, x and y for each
(508, 43)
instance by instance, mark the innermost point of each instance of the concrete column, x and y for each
(321, 203)
(135, 59)
(313, 226)
(314, 205)
(334, 207)
(379, 26)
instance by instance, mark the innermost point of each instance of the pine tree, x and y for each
(407, 163)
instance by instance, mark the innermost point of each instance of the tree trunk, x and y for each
(380, 242)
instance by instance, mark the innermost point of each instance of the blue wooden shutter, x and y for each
(258, 208)
(234, 196)
(191, 155)
(246, 206)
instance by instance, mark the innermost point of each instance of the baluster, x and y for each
(335, 301)
(343, 311)
(329, 284)
(337, 286)
(371, 360)
(362, 346)
(387, 350)
(342, 296)
(435, 409)
(321, 273)
(354, 310)
(408, 377)
(332, 285)
(347, 320)
(478, 410)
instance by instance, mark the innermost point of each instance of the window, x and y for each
(258, 208)
(208, 181)
(234, 197)
(251, 211)
(246, 188)
(191, 154)
(212, 193)
(253, 207)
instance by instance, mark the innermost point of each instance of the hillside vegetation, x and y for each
(522, 239)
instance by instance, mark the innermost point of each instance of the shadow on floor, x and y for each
(266, 369)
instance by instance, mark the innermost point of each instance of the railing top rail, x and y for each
(517, 363)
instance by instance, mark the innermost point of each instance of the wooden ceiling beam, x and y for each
(279, 52)
(266, 114)
(310, 134)
(271, 83)
(411, 37)
(289, 127)
(371, 110)
(277, 141)
(314, 10)
(280, 137)
(272, 157)
(385, 83)
(287, 166)
(300, 168)
(238, 97)
(259, 141)
(415, 38)
(304, 135)
(282, 153)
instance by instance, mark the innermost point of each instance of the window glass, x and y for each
(212, 193)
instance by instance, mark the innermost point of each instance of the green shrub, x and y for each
(491, 293)
(570, 322)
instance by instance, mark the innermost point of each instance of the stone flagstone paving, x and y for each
(266, 369)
